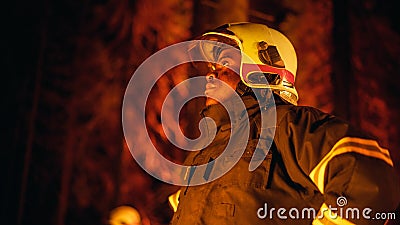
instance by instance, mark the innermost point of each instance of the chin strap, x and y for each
(243, 89)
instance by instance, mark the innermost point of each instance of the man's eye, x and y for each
(225, 63)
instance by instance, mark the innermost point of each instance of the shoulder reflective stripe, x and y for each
(174, 200)
(327, 217)
(316, 221)
(346, 145)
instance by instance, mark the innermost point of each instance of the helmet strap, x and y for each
(265, 96)
(266, 99)
(243, 89)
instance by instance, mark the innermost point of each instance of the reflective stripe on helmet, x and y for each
(247, 69)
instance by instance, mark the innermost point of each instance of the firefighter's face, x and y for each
(219, 73)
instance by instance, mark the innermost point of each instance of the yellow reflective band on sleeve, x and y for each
(327, 217)
(346, 145)
(174, 200)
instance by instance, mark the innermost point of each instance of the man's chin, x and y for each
(211, 101)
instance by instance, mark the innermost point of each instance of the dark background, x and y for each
(67, 64)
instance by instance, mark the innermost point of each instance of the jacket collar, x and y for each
(220, 115)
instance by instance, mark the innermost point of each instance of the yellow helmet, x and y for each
(269, 59)
(124, 215)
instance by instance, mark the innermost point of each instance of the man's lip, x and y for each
(210, 86)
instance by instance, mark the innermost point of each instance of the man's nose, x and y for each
(210, 77)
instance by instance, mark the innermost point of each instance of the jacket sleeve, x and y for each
(355, 175)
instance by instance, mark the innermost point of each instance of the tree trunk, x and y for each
(342, 76)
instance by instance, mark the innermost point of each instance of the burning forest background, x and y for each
(68, 62)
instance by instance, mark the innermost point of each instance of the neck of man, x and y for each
(232, 109)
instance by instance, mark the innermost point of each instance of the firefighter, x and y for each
(316, 169)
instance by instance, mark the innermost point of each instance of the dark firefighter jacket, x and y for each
(319, 170)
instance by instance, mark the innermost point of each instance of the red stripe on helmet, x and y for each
(284, 73)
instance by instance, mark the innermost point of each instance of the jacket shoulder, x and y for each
(302, 115)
